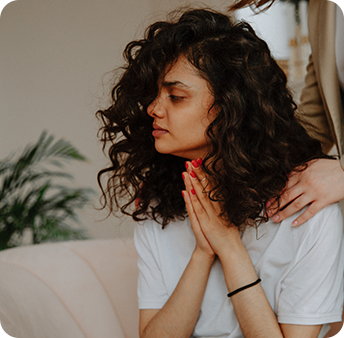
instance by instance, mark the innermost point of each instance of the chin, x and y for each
(162, 147)
(166, 151)
(162, 150)
(183, 153)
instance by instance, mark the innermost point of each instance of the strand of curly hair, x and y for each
(261, 5)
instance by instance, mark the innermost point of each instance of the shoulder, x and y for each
(310, 289)
(150, 231)
(331, 213)
(151, 226)
(326, 226)
(145, 232)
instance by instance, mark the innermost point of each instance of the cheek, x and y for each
(194, 128)
(196, 134)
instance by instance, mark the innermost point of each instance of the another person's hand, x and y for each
(319, 185)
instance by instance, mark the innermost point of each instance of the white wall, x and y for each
(53, 58)
(53, 55)
(276, 25)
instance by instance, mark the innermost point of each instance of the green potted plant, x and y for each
(32, 197)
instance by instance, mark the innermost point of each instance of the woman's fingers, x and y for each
(291, 192)
(200, 180)
(199, 200)
(319, 185)
(312, 209)
(201, 240)
(297, 204)
(216, 230)
(197, 169)
(190, 210)
(187, 181)
(198, 206)
(191, 198)
(294, 195)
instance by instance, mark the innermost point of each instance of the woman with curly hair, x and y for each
(202, 133)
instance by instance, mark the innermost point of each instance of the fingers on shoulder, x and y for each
(312, 209)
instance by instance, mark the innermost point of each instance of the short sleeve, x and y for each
(151, 290)
(311, 290)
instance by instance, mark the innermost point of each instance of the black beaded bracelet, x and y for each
(244, 287)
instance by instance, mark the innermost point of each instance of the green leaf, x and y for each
(30, 198)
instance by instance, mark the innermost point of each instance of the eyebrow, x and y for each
(174, 83)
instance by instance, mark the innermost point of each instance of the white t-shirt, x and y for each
(301, 270)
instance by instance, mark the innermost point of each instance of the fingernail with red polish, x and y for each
(183, 176)
(294, 224)
(183, 193)
(200, 161)
(195, 163)
(186, 165)
(192, 174)
(193, 192)
(275, 218)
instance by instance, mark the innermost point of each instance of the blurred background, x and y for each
(56, 63)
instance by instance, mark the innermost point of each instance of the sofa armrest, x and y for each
(70, 289)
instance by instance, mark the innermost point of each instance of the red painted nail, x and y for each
(186, 165)
(183, 193)
(183, 176)
(193, 192)
(200, 161)
(192, 174)
(195, 163)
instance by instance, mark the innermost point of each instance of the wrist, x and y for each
(203, 257)
(237, 266)
(232, 246)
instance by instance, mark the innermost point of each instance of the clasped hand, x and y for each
(213, 234)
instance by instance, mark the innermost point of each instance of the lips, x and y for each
(158, 131)
(157, 127)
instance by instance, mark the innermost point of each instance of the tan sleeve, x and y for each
(312, 110)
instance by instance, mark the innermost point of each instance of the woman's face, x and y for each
(181, 112)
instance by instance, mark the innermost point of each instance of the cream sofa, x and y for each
(78, 289)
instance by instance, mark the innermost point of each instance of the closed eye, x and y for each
(176, 98)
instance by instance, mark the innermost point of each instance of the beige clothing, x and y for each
(320, 100)
(340, 46)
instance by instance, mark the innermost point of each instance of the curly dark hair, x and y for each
(261, 5)
(256, 140)
(258, 4)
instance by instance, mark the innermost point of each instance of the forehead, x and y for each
(183, 73)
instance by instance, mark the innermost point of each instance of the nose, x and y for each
(156, 108)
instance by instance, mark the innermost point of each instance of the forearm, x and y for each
(252, 308)
(179, 315)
